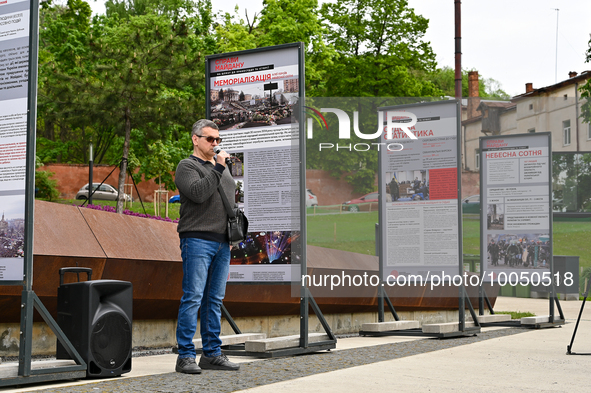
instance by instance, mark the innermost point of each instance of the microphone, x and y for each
(217, 150)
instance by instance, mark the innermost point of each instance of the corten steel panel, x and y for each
(146, 253)
(260, 300)
(160, 309)
(152, 280)
(45, 284)
(61, 230)
(128, 237)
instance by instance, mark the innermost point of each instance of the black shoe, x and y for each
(220, 362)
(187, 366)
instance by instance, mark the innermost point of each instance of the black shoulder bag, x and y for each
(237, 221)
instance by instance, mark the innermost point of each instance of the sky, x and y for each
(13, 207)
(511, 41)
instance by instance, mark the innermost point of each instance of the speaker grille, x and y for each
(111, 341)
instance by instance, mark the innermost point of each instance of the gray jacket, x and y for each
(202, 212)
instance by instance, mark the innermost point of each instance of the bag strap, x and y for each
(229, 210)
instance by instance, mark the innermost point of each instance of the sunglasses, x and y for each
(210, 139)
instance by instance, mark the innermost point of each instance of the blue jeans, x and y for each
(206, 265)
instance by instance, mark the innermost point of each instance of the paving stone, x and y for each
(264, 372)
(389, 326)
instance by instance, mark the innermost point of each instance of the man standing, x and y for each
(394, 189)
(205, 249)
(493, 249)
(416, 184)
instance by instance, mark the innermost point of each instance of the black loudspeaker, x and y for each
(96, 317)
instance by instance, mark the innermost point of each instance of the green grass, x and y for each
(517, 314)
(355, 232)
(173, 208)
(471, 239)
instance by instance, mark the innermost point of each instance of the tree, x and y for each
(379, 52)
(63, 54)
(586, 92)
(45, 187)
(379, 45)
(234, 34)
(164, 154)
(282, 22)
(147, 71)
(444, 79)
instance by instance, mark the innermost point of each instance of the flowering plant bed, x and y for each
(111, 209)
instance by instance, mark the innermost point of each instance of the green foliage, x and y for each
(45, 187)
(135, 76)
(234, 34)
(159, 164)
(379, 45)
(571, 179)
(139, 67)
(124, 9)
(586, 92)
(282, 22)
(444, 79)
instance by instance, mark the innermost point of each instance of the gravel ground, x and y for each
(263, 372)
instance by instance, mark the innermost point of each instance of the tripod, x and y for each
(570, 347)
(105, 179)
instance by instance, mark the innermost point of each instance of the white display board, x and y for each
(254, 97)
(516, 209)
(14, 84)
(419, 185)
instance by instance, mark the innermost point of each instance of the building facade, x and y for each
(555, 109)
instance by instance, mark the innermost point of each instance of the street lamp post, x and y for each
(90, 188)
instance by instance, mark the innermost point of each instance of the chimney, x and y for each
(473, 94)
(572, 74)
(529, 87)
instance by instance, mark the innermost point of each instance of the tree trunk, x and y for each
(123, 168)
(49, 130)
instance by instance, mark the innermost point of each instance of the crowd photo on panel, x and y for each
(527, 251)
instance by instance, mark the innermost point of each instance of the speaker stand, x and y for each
(28, 372)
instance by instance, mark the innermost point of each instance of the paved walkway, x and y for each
(498, 359)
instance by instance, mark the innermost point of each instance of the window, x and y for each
(477, 159)
(566, 132)
(570, 183)
(589, 131)
(531, 106)
(565, 97)
(531, 130)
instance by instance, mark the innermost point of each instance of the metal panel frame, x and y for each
(306, 298)
(30, 300)
(462, 296)
(552, 298)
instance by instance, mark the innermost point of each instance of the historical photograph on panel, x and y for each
(520, 251)
(407, 186)
(495, 216)
(265, 248)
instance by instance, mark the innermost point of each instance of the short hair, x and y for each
(201, 124)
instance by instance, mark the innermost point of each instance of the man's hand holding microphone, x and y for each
(222, 157)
